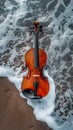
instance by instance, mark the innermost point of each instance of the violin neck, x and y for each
(36, 52)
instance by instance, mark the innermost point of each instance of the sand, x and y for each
(15, 114)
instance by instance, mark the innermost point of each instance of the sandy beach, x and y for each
(15, 114)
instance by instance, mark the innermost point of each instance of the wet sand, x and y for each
(15, 114)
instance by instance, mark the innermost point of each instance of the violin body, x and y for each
(35, 74)
(35, 84)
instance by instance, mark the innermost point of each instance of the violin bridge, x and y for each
(35, 75)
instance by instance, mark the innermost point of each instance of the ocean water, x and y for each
(56, 16)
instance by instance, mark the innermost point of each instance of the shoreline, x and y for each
(15, 114)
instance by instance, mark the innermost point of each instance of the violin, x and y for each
(35, 85)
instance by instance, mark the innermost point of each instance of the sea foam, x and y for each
(42, 108)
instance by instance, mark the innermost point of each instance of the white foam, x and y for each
(21, 1)
(42, 108)
(12, 76)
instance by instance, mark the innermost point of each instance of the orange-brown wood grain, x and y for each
(36, 74)
(29, 58)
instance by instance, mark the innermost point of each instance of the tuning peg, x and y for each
(36, 27)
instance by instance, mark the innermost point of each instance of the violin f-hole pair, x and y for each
(35, 85)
